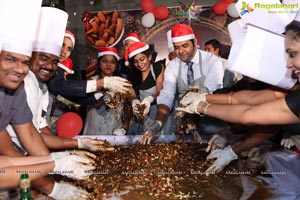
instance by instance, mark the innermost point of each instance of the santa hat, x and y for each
(70, 35)
(51, 31)
(170, 43)
(102, 51)
(182, 32)
(132, 36)
(67, 65)
(135, 49)
(18, 30)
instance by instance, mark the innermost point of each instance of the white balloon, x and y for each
(148, 20)
(232, 11)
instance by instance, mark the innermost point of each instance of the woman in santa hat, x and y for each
(146, 78)
(105, 118)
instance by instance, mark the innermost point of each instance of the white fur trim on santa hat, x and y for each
(65, 68)
(135, 52)
(131, 38)
(183, 38)
(68, 35)
(103, 53)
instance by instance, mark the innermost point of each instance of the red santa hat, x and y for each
(67, 65)
(70, 35)
(135, 49)
(102, 51)
(132, 36)
(182, 32)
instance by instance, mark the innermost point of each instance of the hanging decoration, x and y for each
(161, 12)
(190, 12)
(232, 11)
(148, 20)
(147, 5)
(220, 7)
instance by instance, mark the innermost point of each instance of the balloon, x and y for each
(148, 20)
(147, 5)
(220, 8)
(232, 11)
(228, 1)
(69, 125)
(161, 12)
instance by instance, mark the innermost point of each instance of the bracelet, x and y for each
(205, 108)
(229, 98)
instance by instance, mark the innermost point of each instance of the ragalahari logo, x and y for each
(245, 8)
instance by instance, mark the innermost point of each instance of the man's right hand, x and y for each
(151, 132)
(67, 191)
(116, 84)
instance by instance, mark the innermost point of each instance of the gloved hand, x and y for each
(62, 154)
(193, 98)
(67, 191)
(74, 166)
(108, 98)
(116, 84)
(94, 145)
(134, 104)
(151, 132)
(119, 131)
(224, 157)
(287, 142)
(147, 101)
(216, 142)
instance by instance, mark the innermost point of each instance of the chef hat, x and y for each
(132, 36)
(135, 49)
(70, 35)
(108, 51)
(170, 42)
(18, 25)
(182, 32)
(67, 65)
(51, 30)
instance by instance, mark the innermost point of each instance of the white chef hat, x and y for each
(297, 18)
(51, 31)
(18, 22)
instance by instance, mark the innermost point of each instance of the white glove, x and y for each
(287, 142)
(224, 157)
(216, 142)
(134, 104)
(67, 191)
(119, 131)
(147, 101)
(74, 166)
(108, 98)
(116, 84)
(94, 145)
(151, 132)
(62, 154)
(193, 98)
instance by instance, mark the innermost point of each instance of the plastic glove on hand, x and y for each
(74, 166)
(223, 158)
(134, 104)
(151, 132)
(116, 84)
(193, 98)
(287, 143)
(216, 142)
(108, 98)
(191, 108)
(94, 145)
(67, 191)
(147, 101)
(119, 131)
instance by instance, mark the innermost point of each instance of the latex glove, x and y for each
(74, 166)
(191, 108)
(147, 101)
(116, 84)
(108, 98)
(119, 131)
(216, 142)
(134, 104)
(287, 143)
(193, 98)
(67, 191)
(94, 145)
(62, 154)
(151, 132)
(224, 157)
